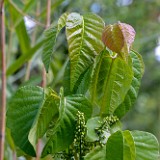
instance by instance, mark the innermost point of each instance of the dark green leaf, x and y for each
(50, 36)
(48, 46)
(114, 147)
(82, 84)
(63, 134)
(45, 114)
(21, 114)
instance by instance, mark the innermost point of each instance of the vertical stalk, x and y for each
(3, 77)
(43, 84)
(48, 19)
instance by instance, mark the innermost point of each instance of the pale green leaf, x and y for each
(146, 145)
(84, 42)
(132, 145)
(63, 132)
(110, 82)
(129, 143)
(92, 124)
(62, 22)
(98, 153)
(138, 69)
(45, 114)
(21, 114)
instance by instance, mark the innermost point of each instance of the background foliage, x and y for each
(25, 23)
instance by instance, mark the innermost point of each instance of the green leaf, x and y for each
(45, 114)
(50, 36)
(23, 37)
(92, 124)
(21, 114)
(82, 84)
(98, 153)
(132, 145)
(84, 42)
(146, 145)
(66, 80)
(33, 81)
(131, 96)
(62, 22)
(110, 82)
(63, 134)
(21, 30)
(48, 46)
(129, 146)
(114, 147)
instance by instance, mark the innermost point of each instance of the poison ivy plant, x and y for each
(102, 77)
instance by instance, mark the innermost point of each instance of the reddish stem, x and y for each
(43, 84)
(3, 77)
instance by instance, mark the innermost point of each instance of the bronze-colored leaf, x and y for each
(119, 38)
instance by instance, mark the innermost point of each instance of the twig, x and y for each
(43, 84)
(3, 96)
(25, 15)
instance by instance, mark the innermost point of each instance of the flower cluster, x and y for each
(80, 134)
(103, 131)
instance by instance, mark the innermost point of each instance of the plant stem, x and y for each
(43, 84)
(3, 96)
(48, 19)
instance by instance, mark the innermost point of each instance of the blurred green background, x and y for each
(25, 23)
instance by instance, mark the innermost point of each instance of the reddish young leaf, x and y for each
(119, 38)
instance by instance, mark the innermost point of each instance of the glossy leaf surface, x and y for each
(130, 98)
(133, 145)
(84, 42)
(119, 38)
(111, 80)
